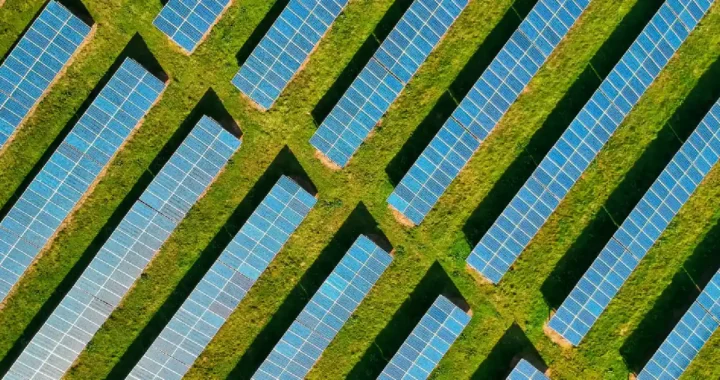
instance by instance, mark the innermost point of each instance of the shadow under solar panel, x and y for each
(327, 311)
(429, 341)
(688, 337)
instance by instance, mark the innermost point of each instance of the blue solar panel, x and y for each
(123, 257)
(429, 341)
(587, 134)
(285, 48)
(688, 337)
(384, 77)
(328, 310)
(525, 371)
(35, 63)
(480, 111)
(639, 231)
(72, 169)
(187, 22)
(227, 282)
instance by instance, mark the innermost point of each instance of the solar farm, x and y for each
(392, 189)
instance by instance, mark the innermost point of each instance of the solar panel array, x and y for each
(187, 22)
(688, 337)
(35, 62)
(525, 371)
(123, 257)
(285, 48)
(480, 111)
(226, 283)
(380, 82)
(328, 310)
(640, 230)
(429, 341)
(72, 169)
(587, 134)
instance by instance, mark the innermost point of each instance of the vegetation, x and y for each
(508, 319)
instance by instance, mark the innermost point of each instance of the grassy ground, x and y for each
(508, 319)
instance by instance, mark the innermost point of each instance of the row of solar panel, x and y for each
(688, 337)
(223, 287)
(56, 35)
(76, 164)
(379, 84)
(227, 282)
(131, 246)
(580, 143)
(480, 111)
(640, 230)
(36, 62)
(327, 311)
(622, 86)
(438, 329)
(187, 22)
(247, 256)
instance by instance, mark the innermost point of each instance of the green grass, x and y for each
(508, 319)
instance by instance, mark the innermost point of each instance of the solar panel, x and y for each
(285, 49)
(126, 253)
(35, 63)
(380, 82)
(639, 231)
(481, 110)
(188, 22)
(328, 310)
(429, 341)
(72, 169)
(226, 283)
(525, 371)
(587, 134)
(688, 337)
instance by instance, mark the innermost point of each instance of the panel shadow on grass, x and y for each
(78, 9)
(448, 101)
(674, 301)
(135, 49)
(512, 346)
(559, 119)
(285, 163)
(435, 282)
(260, 30)
(360, 221)
(86, 257)
(359, 60)
(636, 182)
